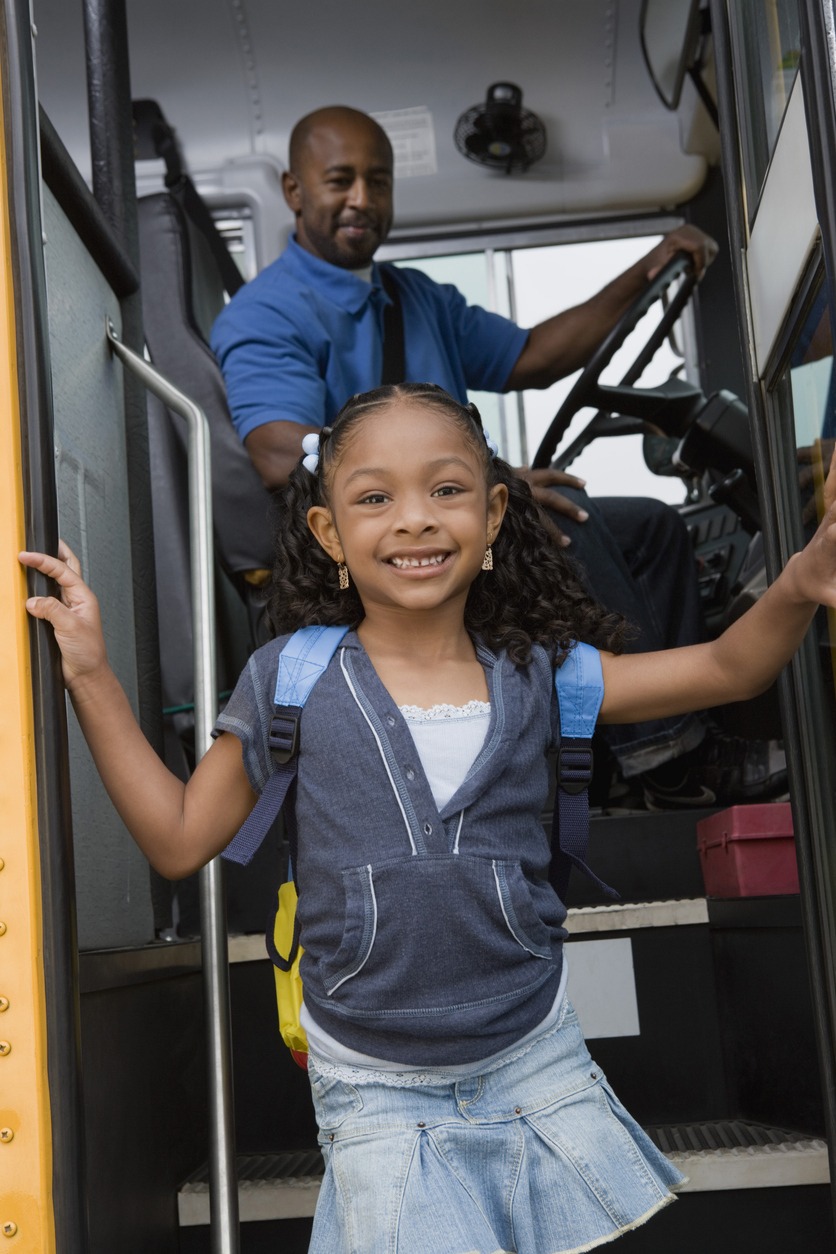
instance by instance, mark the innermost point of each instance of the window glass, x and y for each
(766, 48)
(551, 279)
(813, 396)
(812, 392)
(469, 272)
(538, 283)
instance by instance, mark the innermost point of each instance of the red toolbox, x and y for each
(748, 851)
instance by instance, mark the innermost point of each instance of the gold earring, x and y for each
(487, 560)
(342, 574)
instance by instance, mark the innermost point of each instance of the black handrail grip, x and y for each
(61, 176)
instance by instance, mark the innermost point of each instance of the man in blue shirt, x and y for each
(308, 336)
(307, 333)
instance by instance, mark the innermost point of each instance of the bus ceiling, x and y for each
(233, 76)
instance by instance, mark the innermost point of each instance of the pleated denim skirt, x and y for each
(536, 1155)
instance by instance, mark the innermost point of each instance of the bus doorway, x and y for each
(694, 982)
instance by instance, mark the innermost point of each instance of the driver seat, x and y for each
(182, 292)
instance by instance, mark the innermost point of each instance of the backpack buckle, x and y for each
(574, 766)
(284, 732)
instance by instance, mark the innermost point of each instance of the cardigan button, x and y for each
(428, 829)
(410, 774)
(390, 720)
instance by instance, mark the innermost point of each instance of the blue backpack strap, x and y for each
(301, 662)
(579, 685)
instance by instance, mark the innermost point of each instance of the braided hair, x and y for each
(534, 593)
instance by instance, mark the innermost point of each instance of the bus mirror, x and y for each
(670, 35)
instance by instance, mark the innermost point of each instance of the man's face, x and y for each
(341, 193)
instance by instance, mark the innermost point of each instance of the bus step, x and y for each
(723, 1155)
(270, 1186)
(739, 1154)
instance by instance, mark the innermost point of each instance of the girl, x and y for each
(459, 1110)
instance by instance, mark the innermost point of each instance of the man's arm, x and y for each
(275, 448)
(268, 346)
(565, 342)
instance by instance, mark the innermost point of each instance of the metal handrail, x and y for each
(223, 1199)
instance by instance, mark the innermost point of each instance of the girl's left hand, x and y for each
(811, 574)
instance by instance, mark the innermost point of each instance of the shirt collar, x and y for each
(485, 655)
(341, 287)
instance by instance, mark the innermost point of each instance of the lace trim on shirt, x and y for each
(417, 714)
(429, 1077)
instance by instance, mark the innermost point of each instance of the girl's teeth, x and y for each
(414, 561)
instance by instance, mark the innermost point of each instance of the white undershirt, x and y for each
(448, 740)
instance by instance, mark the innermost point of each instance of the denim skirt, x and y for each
(535, 1155)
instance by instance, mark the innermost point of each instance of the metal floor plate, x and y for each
(727, 1154)
(736, 1154)
(270, 1186)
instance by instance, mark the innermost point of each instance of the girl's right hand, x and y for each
(74, 618)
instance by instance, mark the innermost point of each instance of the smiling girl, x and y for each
(458, 1107)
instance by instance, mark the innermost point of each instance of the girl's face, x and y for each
(410, 511)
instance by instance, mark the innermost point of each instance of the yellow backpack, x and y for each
(289, 981)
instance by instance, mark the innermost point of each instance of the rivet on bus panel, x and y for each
(2, 928)
(6, 1135)
(4, 1004)
(2, 864)
(5, 1048)
(9, 1229)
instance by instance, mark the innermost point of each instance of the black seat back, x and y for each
(182, 292)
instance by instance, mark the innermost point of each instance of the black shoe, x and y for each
(722, 771)
(666, 790)
(740, 771)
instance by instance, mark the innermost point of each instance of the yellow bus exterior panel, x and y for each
(26, 1214)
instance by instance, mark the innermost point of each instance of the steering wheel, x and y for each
(623, 410)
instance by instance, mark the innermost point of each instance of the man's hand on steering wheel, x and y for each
(681, 256)
(541, 483)
(685, 239)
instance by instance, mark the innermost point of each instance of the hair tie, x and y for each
(310, 446)
(471, 409)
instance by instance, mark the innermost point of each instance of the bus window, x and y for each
(531, 283)
(766, 43)
(812, 391)
(473, 274)
(552, 278)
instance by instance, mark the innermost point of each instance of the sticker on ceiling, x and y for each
(412, 135)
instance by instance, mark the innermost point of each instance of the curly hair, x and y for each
(534, 594)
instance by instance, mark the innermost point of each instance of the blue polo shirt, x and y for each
(303, 336)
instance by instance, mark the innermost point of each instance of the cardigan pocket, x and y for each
(360, 927)
(431, 934)
(522, 919)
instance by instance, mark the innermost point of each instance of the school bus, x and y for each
(146, 1102)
